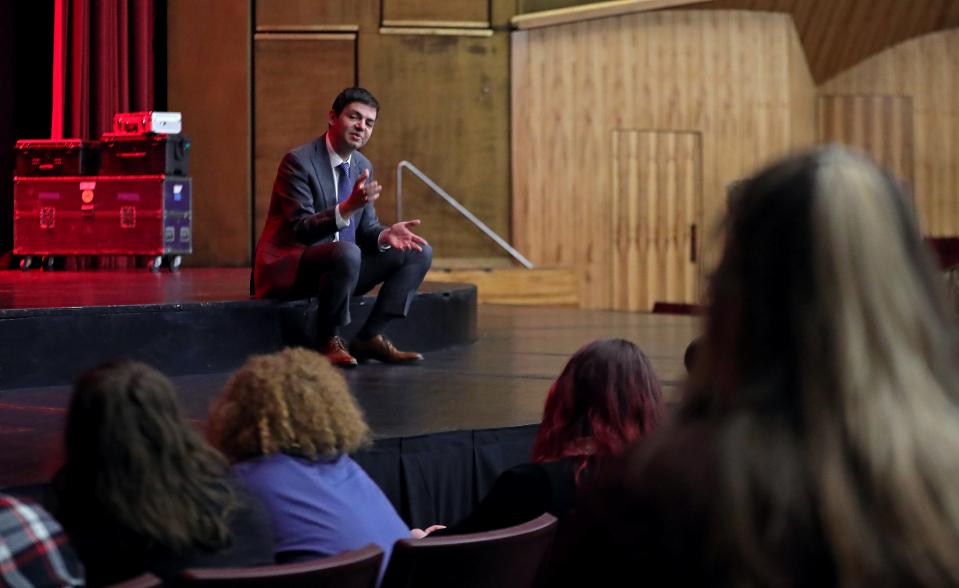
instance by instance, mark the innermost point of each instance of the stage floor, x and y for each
(500, 381)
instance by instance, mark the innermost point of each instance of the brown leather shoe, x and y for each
(382, 349)
(335, 350)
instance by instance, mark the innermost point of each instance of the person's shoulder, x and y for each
(306, 150)
(542, 470)
(25, 510)
(676, 466)
(363, 161)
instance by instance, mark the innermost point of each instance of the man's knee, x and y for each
(423, 258)
(346, 257)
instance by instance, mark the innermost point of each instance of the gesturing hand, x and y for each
(362, 193)
(400, 236)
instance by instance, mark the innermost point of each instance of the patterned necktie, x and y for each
(343, 191)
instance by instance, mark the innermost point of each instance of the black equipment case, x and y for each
(147, 154)
(56, 157)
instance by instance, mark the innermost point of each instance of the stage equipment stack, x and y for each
(128, 194)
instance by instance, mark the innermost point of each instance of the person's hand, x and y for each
(420, 533)
(399, 236)
(363, 193)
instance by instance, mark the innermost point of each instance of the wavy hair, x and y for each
(129, 449)
(829, 368)
(606, 397)
(293, 401)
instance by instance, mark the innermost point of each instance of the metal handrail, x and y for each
(459, 208)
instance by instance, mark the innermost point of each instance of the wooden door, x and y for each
(657, 216)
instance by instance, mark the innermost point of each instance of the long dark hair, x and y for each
(828, 369)
(606, 398)
(129, 449)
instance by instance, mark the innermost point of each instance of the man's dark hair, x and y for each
(355, 94)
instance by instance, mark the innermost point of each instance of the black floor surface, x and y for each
(499, 381)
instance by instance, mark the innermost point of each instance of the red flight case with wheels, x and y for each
(103, 215)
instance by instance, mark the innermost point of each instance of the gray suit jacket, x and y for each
(301, 214)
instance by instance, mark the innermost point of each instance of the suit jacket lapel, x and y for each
(324, 173)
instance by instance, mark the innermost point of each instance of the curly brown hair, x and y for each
(293, 401)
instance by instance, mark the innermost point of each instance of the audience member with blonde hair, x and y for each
(288, 422)
(819, 441)
(141, 491)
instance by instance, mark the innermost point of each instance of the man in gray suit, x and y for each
(322, 237)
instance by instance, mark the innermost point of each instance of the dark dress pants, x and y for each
(335, 271)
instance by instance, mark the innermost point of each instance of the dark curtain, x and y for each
(103, 64)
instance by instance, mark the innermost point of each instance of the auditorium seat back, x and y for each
(352, 569)
(142, 581)
(504, 558)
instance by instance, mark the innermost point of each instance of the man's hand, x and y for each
(399, 236)
(363, 193)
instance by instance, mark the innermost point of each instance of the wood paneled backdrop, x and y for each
(926, 70)
(209, 82)
(731, 76)
(523, 127)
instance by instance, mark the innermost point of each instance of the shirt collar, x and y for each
(335, 159)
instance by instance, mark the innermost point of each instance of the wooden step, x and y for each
(541, 286)
(473, 263)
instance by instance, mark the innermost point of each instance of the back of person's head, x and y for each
(828, 365)
(129, 447)
(293, 401)
(354, 94)
(606, 397)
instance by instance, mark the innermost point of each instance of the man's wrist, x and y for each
(381, 240)
(342, 221)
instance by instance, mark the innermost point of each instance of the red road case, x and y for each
(103, 215)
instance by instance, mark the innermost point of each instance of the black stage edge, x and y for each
(184, 328)
(443, 427)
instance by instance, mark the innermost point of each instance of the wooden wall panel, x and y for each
(208, 59)
(272, 14)
(297, 78)
(837, 34)
(727, 75)
(656, 216)
(430, 12)
(926, 70)
(880, 126)
(445, 108)
(802, 100)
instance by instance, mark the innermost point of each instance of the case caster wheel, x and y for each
(156, 263)
(26, 263)
(175, 262)
(47, 263)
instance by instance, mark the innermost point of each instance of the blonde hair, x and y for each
(829, 363)
(895, 395)
(293, 401)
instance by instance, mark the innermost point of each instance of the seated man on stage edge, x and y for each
(322, 237)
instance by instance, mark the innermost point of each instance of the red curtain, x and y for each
(102, 64)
